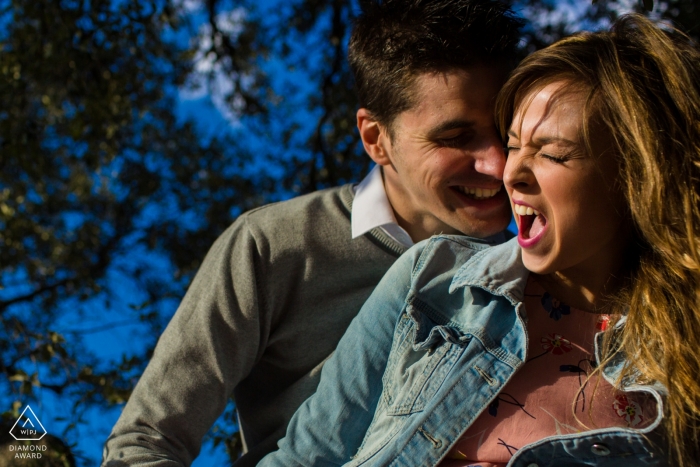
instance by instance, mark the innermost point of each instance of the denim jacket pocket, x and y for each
(422, 354)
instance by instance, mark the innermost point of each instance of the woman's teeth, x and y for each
(479, 193)
(525, 210)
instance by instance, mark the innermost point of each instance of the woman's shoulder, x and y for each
(447, 270)
(461, 258)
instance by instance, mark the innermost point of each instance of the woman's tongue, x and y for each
(531, 226)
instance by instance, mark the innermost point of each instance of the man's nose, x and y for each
(491, 160)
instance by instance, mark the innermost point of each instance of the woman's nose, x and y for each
(516, 174)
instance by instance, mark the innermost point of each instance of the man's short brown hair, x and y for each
(393, 41)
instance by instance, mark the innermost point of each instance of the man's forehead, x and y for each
(476, 86)
(424, 81)
(449, 99)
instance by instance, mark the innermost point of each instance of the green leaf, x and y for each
(20, 376)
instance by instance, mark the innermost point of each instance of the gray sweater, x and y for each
(268, 306)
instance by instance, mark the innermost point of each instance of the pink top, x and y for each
(540, 400)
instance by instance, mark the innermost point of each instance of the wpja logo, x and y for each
(28, 427)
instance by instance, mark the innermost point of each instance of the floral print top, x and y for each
(540, 400)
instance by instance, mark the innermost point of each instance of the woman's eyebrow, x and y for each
(542, 140)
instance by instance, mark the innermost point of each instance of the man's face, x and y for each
(445, 157)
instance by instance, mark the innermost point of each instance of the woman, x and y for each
(468, 355)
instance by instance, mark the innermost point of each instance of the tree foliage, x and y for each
(102, 182)
(99, 180)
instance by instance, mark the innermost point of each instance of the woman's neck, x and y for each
(570, 292)
(586, 289)
(590, 284)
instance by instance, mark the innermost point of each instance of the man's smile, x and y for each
(477, 192)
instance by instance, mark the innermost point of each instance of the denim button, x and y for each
(532, 465)
(600, 450)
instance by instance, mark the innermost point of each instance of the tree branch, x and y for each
(103, 327)
(319, 146)
(30, 296)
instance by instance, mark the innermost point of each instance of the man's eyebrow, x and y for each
(449, 125)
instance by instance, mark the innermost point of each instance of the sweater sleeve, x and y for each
(329, 427)
(211, 343)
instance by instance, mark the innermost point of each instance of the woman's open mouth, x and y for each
(531, 225)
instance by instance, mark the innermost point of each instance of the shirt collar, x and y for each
(371, 209)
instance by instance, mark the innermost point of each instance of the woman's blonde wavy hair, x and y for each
(643, 85)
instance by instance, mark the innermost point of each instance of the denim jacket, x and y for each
(433, 346)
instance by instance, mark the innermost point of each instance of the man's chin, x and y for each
(484, 227)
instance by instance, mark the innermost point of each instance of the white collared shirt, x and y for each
(371, 209)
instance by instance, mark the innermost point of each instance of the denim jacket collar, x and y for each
(498, 270)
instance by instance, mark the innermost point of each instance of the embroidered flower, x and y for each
(554, 307)
(556, 344)
(629, 410)
(602, 322)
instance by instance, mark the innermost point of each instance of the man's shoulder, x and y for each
(289, 225)
(336, 201)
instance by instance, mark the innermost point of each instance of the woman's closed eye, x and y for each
(555, 158)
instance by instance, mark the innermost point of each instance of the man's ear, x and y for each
(374, 137)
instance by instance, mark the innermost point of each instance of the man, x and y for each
(280, 286)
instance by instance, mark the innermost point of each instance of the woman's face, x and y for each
(566, 205)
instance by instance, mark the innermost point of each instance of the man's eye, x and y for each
(458, 141)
